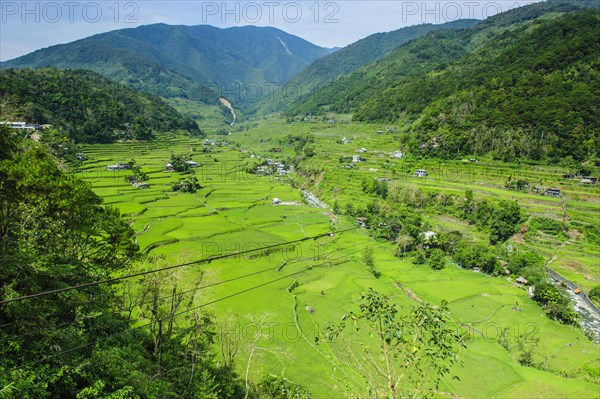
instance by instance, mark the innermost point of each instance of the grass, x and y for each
(233, 212)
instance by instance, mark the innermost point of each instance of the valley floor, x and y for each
(296, 289)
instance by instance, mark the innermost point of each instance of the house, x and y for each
(118, 166)
(169, 167)
(281, 168)
(589, 180)
(429, 235)
(422, 146)
(276, 201)
(472, 159)
(397, 154)
(357, 158)
(420, 173)
(140, 185)
(21, 125)
(361, 222)
(80, 156)
(345, 140)
(522, 280)
(361, 150)
(552, 192)
(275, 149)
(380, 132)
(191, 164)
(309, 309)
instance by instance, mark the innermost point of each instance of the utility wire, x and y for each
(206, 260)
(65, 325)
(177, 314)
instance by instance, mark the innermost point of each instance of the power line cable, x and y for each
(66, 325)
(177, 314)
(206, 260)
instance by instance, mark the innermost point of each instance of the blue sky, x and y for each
(26, 26)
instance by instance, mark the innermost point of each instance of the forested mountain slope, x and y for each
(196, 62)
(344, 61)
(521, 84)
(87, 106)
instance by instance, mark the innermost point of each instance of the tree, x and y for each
(556, 302)
(401, 355)
(136, 170)
(162, 296)
(178, 162)
(505, 220)
(437, 259)
(480, 255)
(594, 294)
(336, 207)
(369, 261)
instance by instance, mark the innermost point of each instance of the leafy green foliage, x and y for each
(55, 233)
(414, 351)
(538, 99)
(505, 220)
(88, 107)
(594, 294)
(272, 387)
(478, 255)
(529, 265)
(437, 259)
(524, 84)
(368, 259)
(199, 63)
(187, 185)
(137, 174)
(556, 302)
(306, 85)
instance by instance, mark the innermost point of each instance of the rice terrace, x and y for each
(410, 223)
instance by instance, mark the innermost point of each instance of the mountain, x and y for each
(532, 92)
(522, 84)
(348, 59)
(87, 106)
(430, 52)
(196, 62)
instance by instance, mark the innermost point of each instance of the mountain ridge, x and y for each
(349, 58)
(195, 62)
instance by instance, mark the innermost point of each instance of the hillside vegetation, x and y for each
(348, 59)
(195, 62)
(526, 78)
(86, 106)
(532, 92)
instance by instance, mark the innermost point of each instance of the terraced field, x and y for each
(233, 212)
